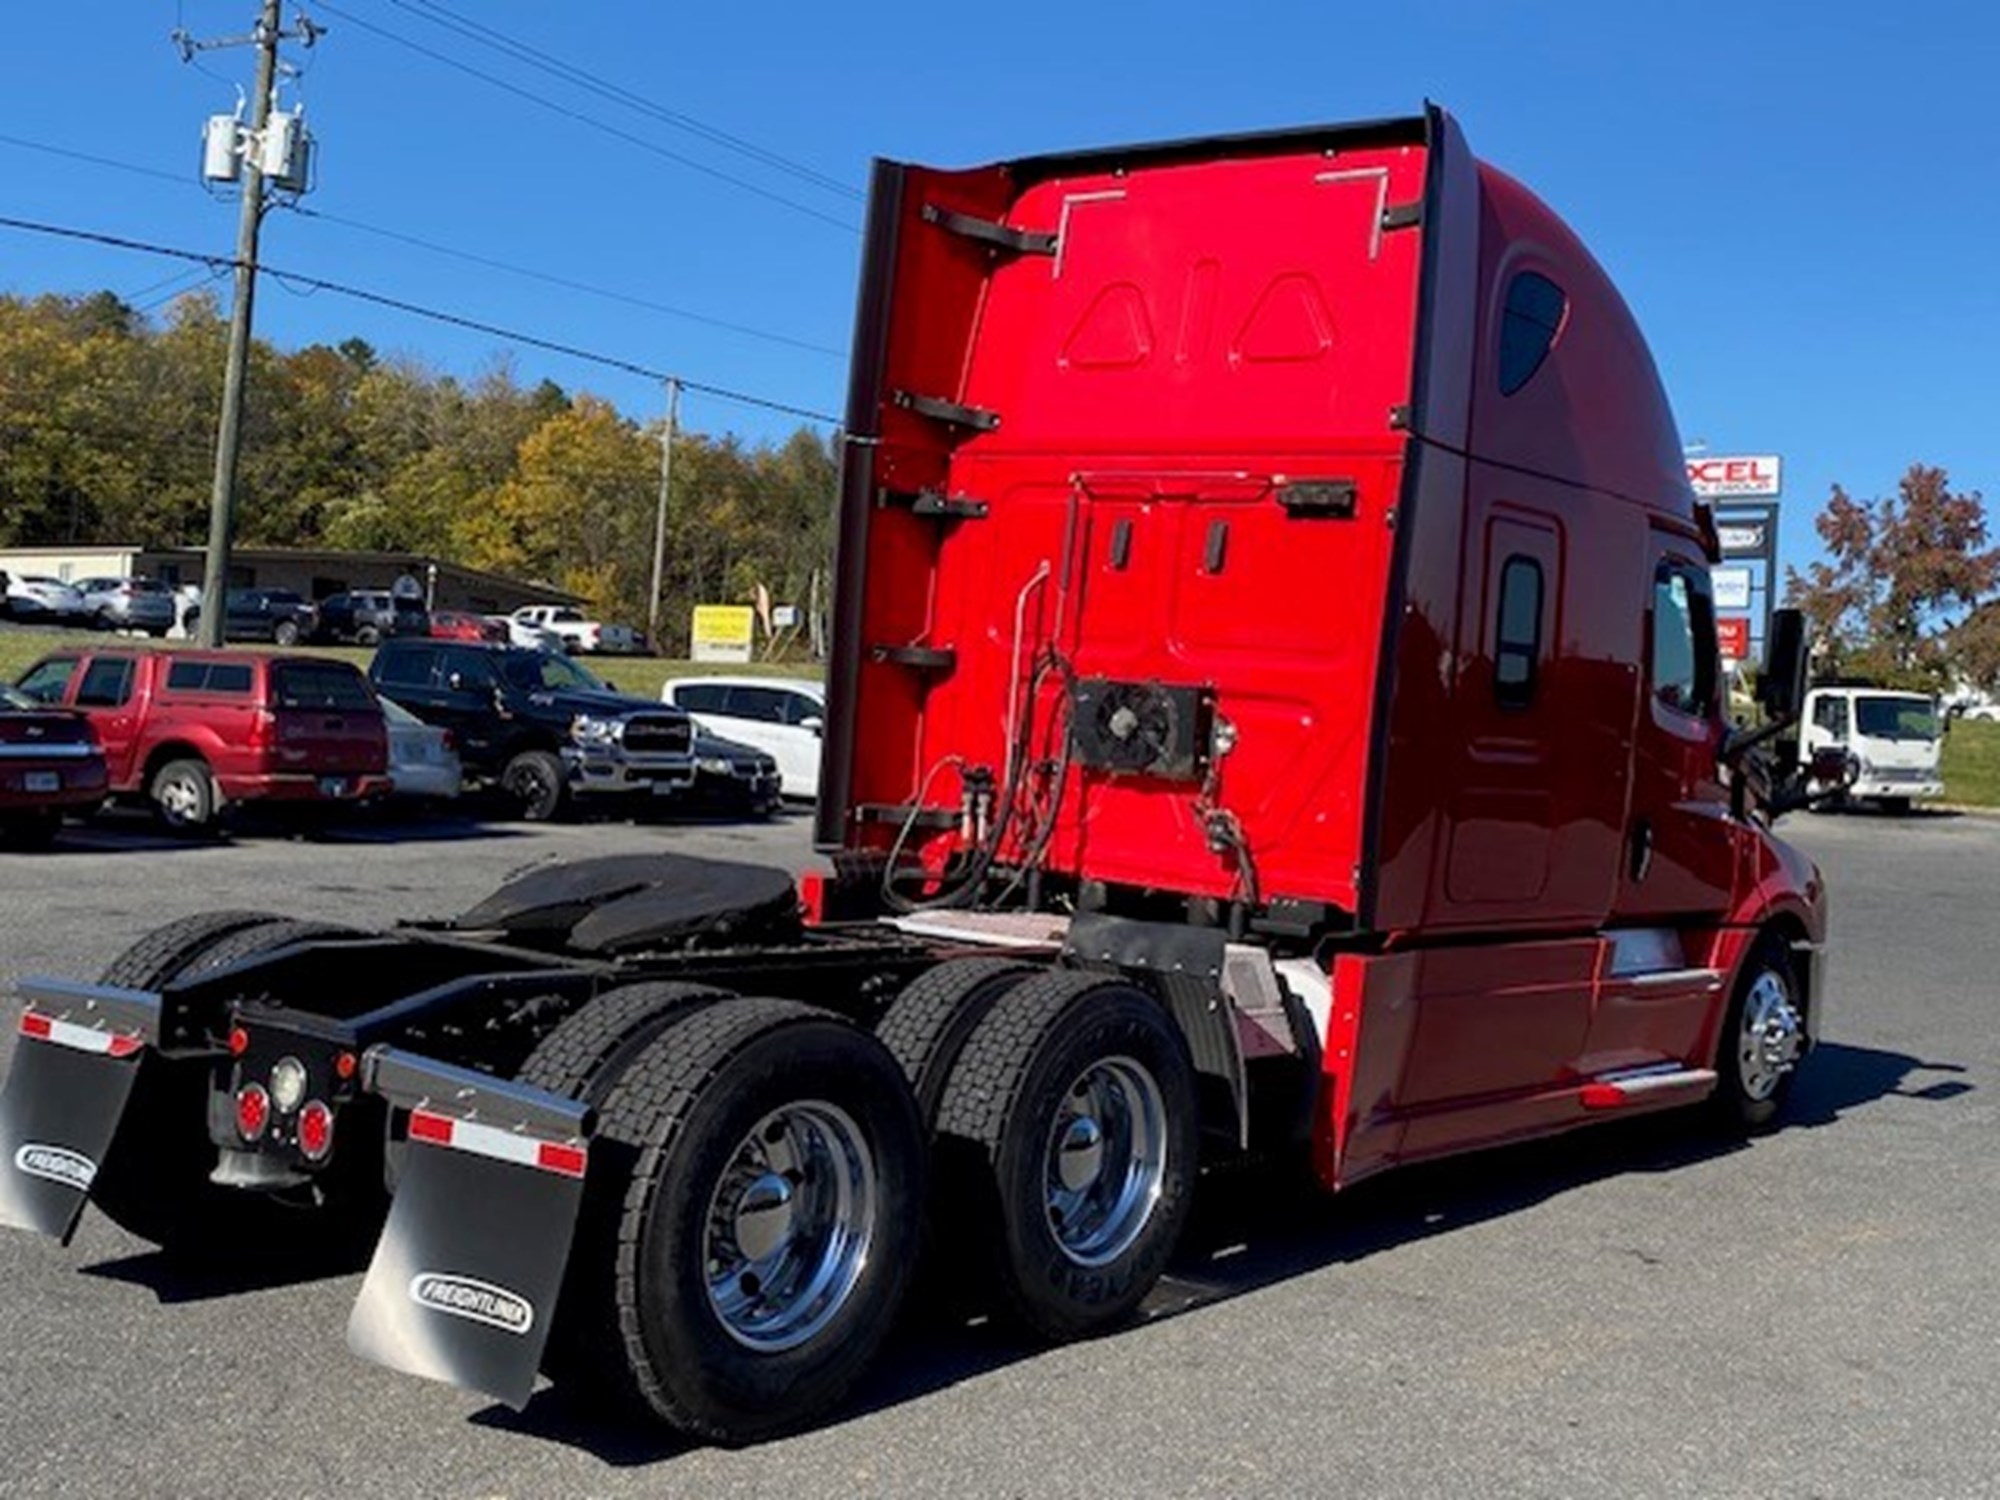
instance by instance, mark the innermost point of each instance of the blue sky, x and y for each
(1801, 202)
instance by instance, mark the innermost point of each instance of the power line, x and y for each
(591, 120)
(551, 279)
(471, 257)
(535, 57)
(419, 310)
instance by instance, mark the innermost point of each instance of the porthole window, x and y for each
(1529, 323)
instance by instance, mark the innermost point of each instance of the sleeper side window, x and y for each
(1530, 322)
(1517, 637)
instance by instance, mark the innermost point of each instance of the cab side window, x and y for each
(1830, 714)
(701, 697)
(1684, 649)
(107, 683)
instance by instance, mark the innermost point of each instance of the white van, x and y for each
(782, 716)
(1893, 738)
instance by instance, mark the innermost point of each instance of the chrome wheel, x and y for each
(1768, 1045)
(180, 800)
(789, 1226)
(1107, 1156)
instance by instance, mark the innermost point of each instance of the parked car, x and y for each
(365, 616)
(45, 601)
(732, 777)
(537, 725)
(276, 615)
(579, 632)
(128, 604)
(528, 634)
(784, 716)
(458, 625)
(423, 760)
(193, 731)
(50, 764)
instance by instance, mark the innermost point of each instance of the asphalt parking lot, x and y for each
(1641, 1310)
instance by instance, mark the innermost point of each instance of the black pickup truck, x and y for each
(544, 730)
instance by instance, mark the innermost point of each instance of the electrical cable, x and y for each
(591, 120)
(435, 248)
(417, 309)
(535, 57)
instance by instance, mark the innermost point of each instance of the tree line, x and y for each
(107, 429)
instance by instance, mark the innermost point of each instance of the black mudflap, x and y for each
(73, 1070)
(464, 1281)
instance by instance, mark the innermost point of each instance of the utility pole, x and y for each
(660, 519)
(289, 165)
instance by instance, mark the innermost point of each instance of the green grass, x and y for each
(22, 646)
(1972, 764)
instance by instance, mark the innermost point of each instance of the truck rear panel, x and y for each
(1131, 444)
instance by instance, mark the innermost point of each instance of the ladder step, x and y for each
(1615, 1089)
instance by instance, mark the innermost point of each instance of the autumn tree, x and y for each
(1902, 571)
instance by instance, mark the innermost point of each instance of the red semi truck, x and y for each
(1275, 707)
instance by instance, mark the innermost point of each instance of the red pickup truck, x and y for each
(195, 730)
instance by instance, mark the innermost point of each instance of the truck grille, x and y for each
(656, 734)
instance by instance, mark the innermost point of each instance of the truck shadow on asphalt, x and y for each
(1254, 1228)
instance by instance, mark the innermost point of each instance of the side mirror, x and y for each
(815, 724)
(1781, 683)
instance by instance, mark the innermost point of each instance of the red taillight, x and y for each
(315, 1130)
(253, 1111)
(450, 742)
(263, 729)
(344, 1066)
(239, 1041)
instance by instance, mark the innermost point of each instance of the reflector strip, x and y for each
(82, 1038)
(501, 1145)
(1609, 1093)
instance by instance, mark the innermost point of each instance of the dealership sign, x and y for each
(1744, 538)
(1732, 587)
(1732, 636)
(1744, 477)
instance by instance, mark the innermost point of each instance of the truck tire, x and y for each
(758, 1168)
(183, 794)
(1763, 1032)
(583, 1056)
(534, 780)
(285, 633)
(367, 635)
(927, 1024)
(1066, 1150)
(154, 1181)
(162, 953)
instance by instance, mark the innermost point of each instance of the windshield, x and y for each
(544, 671)
(1886, 718)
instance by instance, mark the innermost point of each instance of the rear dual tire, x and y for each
(1065, 1151)
(750, 1216)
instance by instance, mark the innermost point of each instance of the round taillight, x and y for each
(315, 1130)
(253, 1111)
(239, 1041)
(344, 1066)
